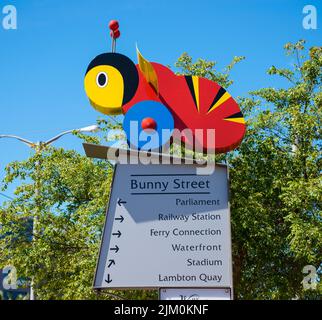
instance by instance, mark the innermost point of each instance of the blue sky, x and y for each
(44, 60)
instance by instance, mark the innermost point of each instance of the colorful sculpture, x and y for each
(157, 99)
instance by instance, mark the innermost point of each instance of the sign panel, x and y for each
(195, 294)
(166, 227)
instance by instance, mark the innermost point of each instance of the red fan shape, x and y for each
(197, 104)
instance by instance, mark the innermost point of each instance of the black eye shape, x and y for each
(102, 79)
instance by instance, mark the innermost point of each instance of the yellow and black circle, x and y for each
(111, 81)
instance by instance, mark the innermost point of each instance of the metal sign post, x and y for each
(167, 227)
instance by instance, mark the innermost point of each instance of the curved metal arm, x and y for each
(92, 128)
(57, 137)
(27, 142)
(33, 145)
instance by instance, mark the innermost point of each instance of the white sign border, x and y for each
(99, 289)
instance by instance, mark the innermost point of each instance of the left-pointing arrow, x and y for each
(120, 202)
(108, 279)
(116, 249)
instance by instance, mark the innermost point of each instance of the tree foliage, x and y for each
(276, 184)
(275, 196)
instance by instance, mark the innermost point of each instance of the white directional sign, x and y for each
(166, 227)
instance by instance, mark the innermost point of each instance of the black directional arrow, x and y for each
(116, 249)
(120, 202)
(111, 262)
(108, 280)
(118, 233)
(121, 219)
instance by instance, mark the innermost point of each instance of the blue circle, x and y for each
(140, 139)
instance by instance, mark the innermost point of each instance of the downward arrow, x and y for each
(116, 249)
(121, 219)
(118, 233)
(108, 280)
(111, 263)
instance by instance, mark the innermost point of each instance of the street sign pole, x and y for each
(167, 227)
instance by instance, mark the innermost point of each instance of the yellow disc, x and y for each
(104, 86)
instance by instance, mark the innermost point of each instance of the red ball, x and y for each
(148, 124)
(116, 34)
(113, 25)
